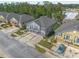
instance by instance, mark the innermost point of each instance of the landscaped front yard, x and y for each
(46, 44)
(6, 25)
(19, 32)
(55, 26)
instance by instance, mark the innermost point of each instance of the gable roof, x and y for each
(13, 15)
(25, 18)
(70, 26)
(44, 22)
(4, 14)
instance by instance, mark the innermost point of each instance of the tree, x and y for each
(48, 8)
(58, 13)
(35, 10)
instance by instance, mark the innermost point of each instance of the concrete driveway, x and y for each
(30, 38)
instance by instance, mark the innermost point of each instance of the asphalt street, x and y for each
(16, 49)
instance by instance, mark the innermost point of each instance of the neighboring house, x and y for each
(3, 16)
(77, 17)
(68, 32)
(70, 16)
(42, 25)
(15, 19)
(19, 20)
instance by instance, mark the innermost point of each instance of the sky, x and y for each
(35, 1)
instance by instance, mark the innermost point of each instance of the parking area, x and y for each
(30, 38)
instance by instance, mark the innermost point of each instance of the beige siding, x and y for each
(74, 35)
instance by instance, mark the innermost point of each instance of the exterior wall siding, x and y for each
(33, 27)
(73, 37)
(14, 22)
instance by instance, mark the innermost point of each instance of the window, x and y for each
(66, 37)
(60, 34)
(77, 41)
(31, 26)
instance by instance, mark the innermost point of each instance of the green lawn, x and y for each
(55, 26)
(40, 49)
(46, 44)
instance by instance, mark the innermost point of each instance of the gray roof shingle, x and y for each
(26, 18)
(44, 22)
(23, 18)
(13, 15)
(4, 14)
(70, 26)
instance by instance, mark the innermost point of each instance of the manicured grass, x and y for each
(46, 44)
(40, 49)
